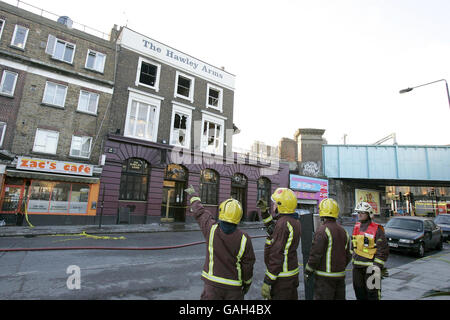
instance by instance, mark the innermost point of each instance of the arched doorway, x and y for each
(174, 203)
(239, 190)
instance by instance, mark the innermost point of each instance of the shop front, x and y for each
(49, 192)
(309, 192)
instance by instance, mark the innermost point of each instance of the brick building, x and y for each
(55, 92)
(110, 130)
(172, 126)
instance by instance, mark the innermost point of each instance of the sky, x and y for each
(325, 64)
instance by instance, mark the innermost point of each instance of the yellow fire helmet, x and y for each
(285, 199)
(329, 208)
(230, 211)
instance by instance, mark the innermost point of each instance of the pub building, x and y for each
(173, 127)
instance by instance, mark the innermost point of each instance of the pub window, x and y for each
(134, 180)
(209, 186)
(214, 97)
(184, 87)
(264, 188)
(148, 74)
(180, 131)
(212, 136)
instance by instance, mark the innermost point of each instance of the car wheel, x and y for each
(421, 250)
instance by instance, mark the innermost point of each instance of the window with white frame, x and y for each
(184, 86)
(46, 141)
(88, 102)
(20, 36)
(142, 117)
(2, 132)
(60, 49)
(148, 74)
(212, 135)
(81, 146)
(8, 83)
(180, 130)
(2, 26)
(95, 61)
(214, 97)
(55, 94)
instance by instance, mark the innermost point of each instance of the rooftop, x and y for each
(53, 16)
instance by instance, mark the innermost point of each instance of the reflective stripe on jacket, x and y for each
(330, 251)
(280, 251)
(229, 258)
(210, 274)
(369, 245)
(364, 242)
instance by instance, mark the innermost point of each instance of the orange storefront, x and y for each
(48, 188)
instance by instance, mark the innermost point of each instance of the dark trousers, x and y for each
(326, 288)
(360, 277)
(285, 288)
(215, 293)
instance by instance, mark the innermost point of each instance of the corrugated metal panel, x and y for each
(387, 162)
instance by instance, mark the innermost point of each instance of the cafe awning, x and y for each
(50, 176)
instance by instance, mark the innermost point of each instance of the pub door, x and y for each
(173, 206)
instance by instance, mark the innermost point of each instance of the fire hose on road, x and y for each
(109, 248)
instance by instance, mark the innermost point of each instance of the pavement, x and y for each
(423, 279)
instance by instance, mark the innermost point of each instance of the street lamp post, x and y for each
(446, 86)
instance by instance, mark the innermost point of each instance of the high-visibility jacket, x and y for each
(229, 257)
(330, 251)
(369, 245)
(280, 251)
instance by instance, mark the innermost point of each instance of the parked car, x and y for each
(443, 221)
(413, 234)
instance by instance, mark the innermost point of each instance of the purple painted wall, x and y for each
(118, 149)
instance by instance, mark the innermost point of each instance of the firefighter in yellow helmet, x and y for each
(370, 253)
(280, 251)
(329, 255)
(228, 269)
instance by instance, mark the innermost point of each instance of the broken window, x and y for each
(213, 97)
(179, 129)
(211, 136)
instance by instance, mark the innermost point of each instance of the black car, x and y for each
(413, 234)
(443, 221)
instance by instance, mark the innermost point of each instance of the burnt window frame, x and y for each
(219, 91)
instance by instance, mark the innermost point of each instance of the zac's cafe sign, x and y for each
(53, 166)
